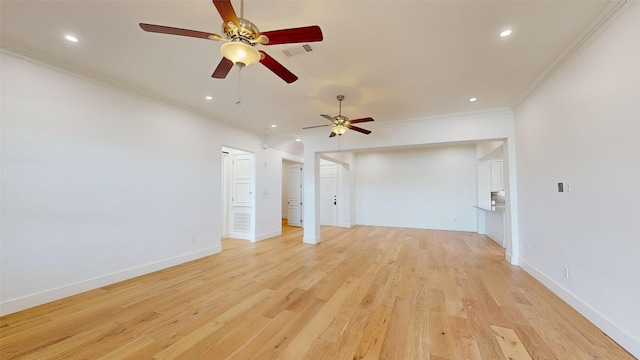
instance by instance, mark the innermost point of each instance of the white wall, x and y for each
(268, 194)
(583, 126)
(455, 128)
(489, 150)
(429, 188)
(99, 185)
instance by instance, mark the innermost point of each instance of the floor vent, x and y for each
(241, 222)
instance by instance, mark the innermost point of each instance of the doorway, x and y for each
(328, 193)
(238, 200)
(292, 193)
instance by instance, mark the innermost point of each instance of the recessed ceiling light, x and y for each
(505, 33)
(298, 140)
(473, 99)
(273, 126)
(209, 98)
(71, 38)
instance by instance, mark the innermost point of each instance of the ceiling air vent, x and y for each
(297, 50)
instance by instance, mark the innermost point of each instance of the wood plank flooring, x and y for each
(362, 293)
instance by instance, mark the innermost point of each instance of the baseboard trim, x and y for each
(306, 240)
(239, 235)
(268, 235)
(496, 239)
(29, 301)
(623, 338)
(419, 226)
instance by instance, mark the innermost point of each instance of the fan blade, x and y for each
(226, 11)
(277, 68)
(355, 128)
(178, 31)
(327, 117)
(332, 134)
(223, 69)
(313, 127)
(295, 35)
(361, 120)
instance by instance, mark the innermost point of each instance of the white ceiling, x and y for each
(393, 60)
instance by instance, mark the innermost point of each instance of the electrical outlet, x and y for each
(565, 272)
(528, 248)
(193, 239)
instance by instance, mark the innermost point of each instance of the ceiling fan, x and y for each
(240, 39)
(340, 124)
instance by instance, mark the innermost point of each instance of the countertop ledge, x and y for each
(499, 208)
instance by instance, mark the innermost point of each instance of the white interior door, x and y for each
(328, 194)
(242, 181)
(238, 184)
(294, 197)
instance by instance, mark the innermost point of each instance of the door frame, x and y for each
(299, 168)
(324, 164)
(227, 189)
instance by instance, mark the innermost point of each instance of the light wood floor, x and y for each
(363, 293)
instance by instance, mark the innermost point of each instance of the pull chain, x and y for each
(239, 102)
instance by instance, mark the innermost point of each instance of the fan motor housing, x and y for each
(246, 32)
(341, 120)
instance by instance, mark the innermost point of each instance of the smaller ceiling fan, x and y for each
(340, 124)
(240, 38)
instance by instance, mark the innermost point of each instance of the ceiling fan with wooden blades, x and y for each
(340, 124)
(240, 38)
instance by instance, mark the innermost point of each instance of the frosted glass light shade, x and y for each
(240, 53)
(339, 129)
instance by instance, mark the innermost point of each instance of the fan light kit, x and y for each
(240, 53)
(240, 38)
(340, 124)
(339, 129)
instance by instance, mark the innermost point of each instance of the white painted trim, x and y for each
(268, 235)
(25, 302)
(496, 239)
(510, 259)
(623, 338)
(595, 28)
(306, 239)
(419, 226)
(240, 236)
